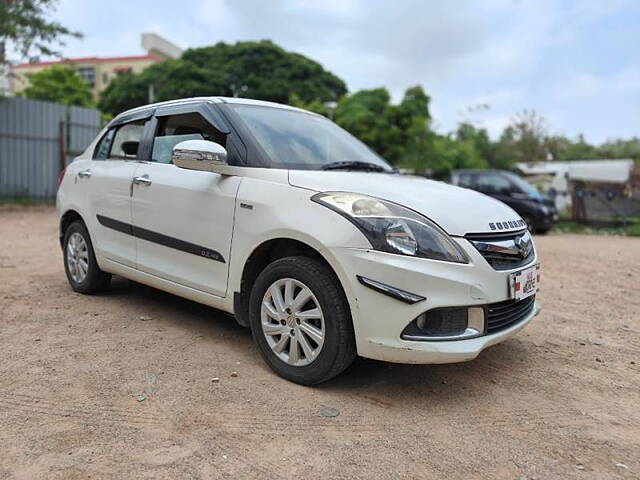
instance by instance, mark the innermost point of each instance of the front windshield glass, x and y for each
(523, 185)
(299, 140)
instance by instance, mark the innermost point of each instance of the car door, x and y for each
(183, 219)
(108, 186)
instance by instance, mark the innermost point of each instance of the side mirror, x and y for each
(130, 148)
(200, 155)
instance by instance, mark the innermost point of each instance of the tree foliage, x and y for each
(25, 26)
(401, 133)
(260, 70)
(59, 84)
(369, 115)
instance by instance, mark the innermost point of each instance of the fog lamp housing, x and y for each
(449, 323)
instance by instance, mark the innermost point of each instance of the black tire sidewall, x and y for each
(326, 289)
(87, 285)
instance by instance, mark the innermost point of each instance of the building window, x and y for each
(105, 78)
(88, 74)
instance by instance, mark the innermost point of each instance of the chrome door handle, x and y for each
(84, 173)
(143, 180)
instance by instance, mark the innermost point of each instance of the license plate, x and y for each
(524, 283)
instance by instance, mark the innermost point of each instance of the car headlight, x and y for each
(393, 228)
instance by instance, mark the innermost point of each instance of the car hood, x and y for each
(458, 211)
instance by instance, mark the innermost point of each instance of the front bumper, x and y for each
(380, 319)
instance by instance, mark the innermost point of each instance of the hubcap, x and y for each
(292, 322)
(77, 257)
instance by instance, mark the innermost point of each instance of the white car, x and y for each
(283, 219)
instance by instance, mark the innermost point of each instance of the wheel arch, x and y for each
(67, 219)
(260, 257)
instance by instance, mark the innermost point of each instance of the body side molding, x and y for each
(160, 239)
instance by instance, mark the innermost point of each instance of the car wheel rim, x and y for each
(77, 257)
(292, 322)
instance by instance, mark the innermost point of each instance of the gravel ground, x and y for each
(121, 384)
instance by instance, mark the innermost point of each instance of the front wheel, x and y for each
(300, 320)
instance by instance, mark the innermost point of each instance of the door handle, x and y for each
(143, 180)
(84, 173)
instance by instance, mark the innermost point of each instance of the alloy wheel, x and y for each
(292, 322)
(77, 257)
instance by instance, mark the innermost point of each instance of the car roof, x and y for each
(186, 101)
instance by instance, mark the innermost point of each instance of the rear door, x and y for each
(183, 219)
(108, 184)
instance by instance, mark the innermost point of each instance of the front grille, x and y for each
(504, 251)
(502, 315)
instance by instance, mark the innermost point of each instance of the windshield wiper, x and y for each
(364, 166)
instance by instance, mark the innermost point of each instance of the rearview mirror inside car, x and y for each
(201, 155)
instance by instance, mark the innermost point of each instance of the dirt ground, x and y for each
(119, 385)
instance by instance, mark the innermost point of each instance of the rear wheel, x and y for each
(80, 264)
(300, 320)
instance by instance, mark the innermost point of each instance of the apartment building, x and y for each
(99, 71)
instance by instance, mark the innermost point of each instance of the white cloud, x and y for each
(575, 62)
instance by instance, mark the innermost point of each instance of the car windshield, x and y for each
(523, 185)
(297, 140)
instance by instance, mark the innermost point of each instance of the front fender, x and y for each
(268, 210)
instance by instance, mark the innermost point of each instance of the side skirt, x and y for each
(214, 301)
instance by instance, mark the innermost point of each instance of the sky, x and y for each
(577, 63)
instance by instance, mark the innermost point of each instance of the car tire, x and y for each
(334, 350)
(80, 263)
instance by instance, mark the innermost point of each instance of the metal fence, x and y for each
(37, 140)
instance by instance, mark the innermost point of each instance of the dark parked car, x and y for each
(539, 213)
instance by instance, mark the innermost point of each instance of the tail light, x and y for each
(61, 177)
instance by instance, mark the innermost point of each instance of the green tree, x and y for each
(580, 150)
(260, 70)
(621, 148)
(25, 26)
(399, 133)
(124, 92)
(369, 115)
(563, 148)
(415, 103)
(316, 106)
(450, 153)
(59, 84)
(523, 140)
(479, 138)
(558, 145)
(505, 155)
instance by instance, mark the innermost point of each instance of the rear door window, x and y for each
(104, 145)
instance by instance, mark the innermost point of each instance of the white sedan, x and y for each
(283, 219)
